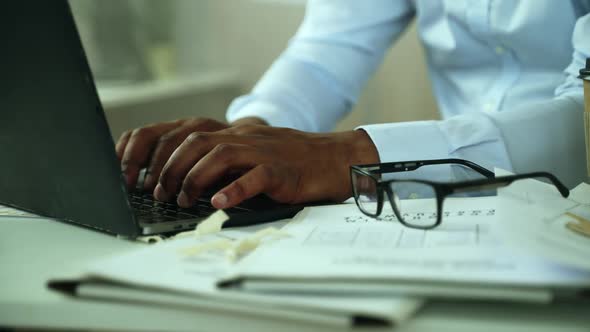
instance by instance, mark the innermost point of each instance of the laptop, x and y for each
(58, 155)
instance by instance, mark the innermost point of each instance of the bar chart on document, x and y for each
(465, 223)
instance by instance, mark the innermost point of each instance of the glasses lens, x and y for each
(365, 192)
(415, 203)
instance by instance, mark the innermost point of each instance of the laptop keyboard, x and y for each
(149, 210)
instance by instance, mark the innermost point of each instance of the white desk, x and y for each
(33, 250)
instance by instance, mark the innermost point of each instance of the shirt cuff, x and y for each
(416, 140)
(407, 141)
(473, 137)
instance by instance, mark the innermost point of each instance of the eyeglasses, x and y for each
(419, 203)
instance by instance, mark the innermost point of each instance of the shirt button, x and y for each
(488, 107)
(499, 50)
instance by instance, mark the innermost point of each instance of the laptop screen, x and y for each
(58, 157)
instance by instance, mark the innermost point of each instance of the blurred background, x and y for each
(159, 60)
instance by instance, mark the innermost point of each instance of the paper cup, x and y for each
(587, 122)
(585, 75)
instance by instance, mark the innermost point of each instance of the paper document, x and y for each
(344, 226)
(7, 211)
(174, 273)
(534, 217)
(339, 245)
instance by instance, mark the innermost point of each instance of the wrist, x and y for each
(351, 148)
(363, 150)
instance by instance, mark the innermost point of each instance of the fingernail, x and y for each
(149, 181)
(219, 200)
(183, 200)
(160, 194)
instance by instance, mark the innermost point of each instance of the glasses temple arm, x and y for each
(504, 181)
(404, 166)
(554, 180)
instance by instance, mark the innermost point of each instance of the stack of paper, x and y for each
(337, 250)
(334, 266)
(165, 274)
(535, 218)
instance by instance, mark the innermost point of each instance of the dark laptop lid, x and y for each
(57, 154)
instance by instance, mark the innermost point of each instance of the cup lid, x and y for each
(585, 72)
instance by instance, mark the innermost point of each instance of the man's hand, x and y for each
(152, 145)
(287, 165)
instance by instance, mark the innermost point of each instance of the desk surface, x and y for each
(34, 250)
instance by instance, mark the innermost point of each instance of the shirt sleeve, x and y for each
(318, 78)
(547, 136)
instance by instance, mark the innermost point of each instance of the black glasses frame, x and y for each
(442, 190)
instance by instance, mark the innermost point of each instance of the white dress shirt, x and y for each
(503, 74)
